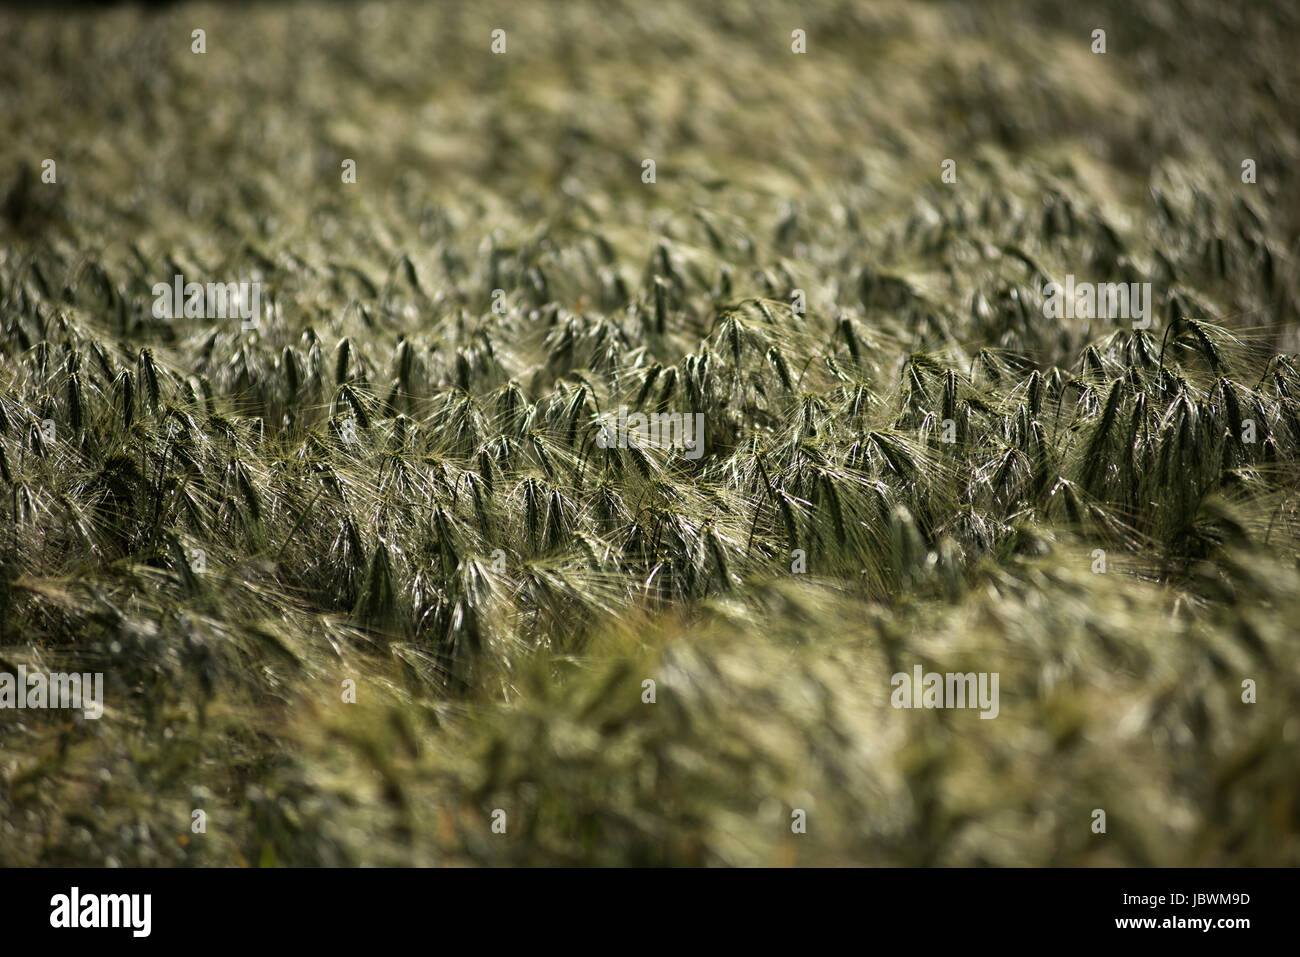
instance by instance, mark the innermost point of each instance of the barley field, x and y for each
(384, 572)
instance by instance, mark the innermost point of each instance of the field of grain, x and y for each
(371, 579)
